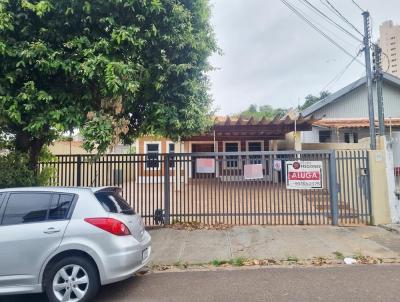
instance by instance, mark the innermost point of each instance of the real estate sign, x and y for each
(304, 175)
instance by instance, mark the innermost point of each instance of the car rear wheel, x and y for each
(72, 279)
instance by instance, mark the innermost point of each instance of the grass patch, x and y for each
(239, 261)
(217, 262)
(292, 259)
(339, 255)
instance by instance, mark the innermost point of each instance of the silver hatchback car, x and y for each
(68, 241)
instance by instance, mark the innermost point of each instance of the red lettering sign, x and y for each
(304, 176)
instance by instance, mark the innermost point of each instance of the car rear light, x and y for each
(110, 225)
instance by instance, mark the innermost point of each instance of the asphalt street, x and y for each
(345, 283)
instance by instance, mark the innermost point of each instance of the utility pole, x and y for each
(367, 52)
(379, 78)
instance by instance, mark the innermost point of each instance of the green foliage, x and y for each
(339, 255)
(312, 99)
(263, 111)
(217, 262)
(136, 66)
(15, 171)
(238, 261)
(292, 259)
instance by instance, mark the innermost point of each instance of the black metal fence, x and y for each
(229, 188)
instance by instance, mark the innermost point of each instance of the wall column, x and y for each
(380, 210)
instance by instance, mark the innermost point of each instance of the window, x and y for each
(351, 137)
(152, 160)
(325, 136)
(112, 202)
(232, 161)
(255, 147)
(26, 208)
(60, 206)
(171, 149)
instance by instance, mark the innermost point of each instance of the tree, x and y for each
(115, 69)
(312, 99)
(263, 111)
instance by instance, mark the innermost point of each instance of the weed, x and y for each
(217, 262)
(239, 261)
(292, 259)
(339, 255)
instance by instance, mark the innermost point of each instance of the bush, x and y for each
(15, 171)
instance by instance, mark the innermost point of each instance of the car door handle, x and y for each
(51, 231)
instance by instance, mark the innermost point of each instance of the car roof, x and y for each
(75, 190)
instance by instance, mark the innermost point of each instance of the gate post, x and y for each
(78, 171)
(333, 188)
(166, 190)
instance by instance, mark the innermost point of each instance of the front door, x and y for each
(31, 228)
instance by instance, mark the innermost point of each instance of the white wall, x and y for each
(355, 104)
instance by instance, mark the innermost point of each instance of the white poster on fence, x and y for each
(278, 165)
(205, 165)
(304, 175)
(254, 171)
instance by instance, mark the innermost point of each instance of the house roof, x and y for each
(353, 123)
(334, 96)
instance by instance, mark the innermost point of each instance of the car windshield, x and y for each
(112, 202)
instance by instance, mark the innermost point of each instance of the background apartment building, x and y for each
(390, 43)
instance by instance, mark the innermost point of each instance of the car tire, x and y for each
(86, 270)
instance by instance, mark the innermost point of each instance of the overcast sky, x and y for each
(271, 56)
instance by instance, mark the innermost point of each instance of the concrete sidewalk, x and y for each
(272, 242)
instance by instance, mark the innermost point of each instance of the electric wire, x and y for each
(299, 14)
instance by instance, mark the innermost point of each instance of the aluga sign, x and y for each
(304, 175)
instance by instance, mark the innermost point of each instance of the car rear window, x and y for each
(112, 202)
(26, 208)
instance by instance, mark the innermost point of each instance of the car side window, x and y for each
(26, 208)
(1, 202)
(60, 205)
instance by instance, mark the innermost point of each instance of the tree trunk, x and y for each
(30, 146)
(34, 153)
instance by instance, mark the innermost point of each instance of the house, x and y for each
(343, 117)
(227, 134)
(73, 145)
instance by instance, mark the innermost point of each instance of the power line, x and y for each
(337, 12)
(320, 12)
(355, 3)
(296, 11)
(342, 72)
(327, 30)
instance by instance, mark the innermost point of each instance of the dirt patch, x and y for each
(314, 262)
(192, 226)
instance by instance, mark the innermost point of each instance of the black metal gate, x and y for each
(217, 188)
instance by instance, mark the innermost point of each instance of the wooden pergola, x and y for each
(241, 129)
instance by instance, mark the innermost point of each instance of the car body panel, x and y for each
(116, 257)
